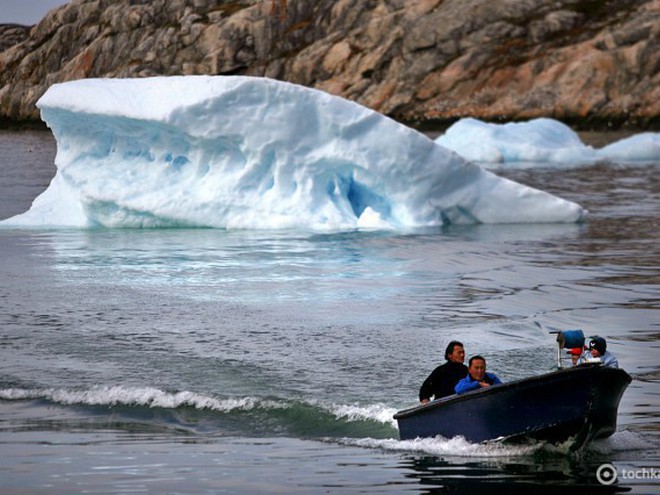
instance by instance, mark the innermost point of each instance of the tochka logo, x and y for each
(607, 474)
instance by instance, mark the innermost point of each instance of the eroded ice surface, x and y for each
(254, 153)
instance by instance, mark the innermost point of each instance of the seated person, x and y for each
(477, 376)
(575, 353)
(443, 379)
(598, 349)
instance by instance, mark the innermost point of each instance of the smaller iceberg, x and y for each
(255, 153)
(540, 142)
(643, 148)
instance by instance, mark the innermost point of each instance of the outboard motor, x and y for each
(569, 339)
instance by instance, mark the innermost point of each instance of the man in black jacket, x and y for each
(443, 379)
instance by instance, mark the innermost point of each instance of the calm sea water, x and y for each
(209, 361)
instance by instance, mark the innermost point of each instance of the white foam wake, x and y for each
(374, 412)
(621, 441)
(132, 396)
(454, 447)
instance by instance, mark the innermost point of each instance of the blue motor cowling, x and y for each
(570, 339)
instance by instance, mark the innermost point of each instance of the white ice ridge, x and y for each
(255, 153)
(541, 142)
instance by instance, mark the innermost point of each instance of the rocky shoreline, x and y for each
(591, 64)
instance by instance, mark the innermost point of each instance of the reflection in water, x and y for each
(539, 475)
(622, 236)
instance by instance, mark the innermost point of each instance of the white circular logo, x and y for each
(606, 474)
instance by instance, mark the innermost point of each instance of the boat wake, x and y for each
(217, 415)
(623, 441)
(368, 426)
(454, 447)
(459, 447)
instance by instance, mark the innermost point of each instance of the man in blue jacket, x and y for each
(477, 376)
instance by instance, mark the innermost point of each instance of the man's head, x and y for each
(455, 352)
(597, 346)
(477, 368)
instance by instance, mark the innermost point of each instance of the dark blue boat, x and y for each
(579, 403)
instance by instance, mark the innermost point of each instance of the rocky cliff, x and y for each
(589, 62)
(12, 34)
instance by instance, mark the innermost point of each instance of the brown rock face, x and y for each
(12, 34)
(582, 61)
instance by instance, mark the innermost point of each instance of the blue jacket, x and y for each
(468, 383)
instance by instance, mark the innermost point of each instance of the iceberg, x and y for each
(255, 153)
(540, 142)
(643, 148)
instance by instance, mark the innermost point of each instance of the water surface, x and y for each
(203, 361)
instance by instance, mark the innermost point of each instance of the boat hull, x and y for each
(579, 402)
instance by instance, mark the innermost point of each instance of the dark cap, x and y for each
(599, 344)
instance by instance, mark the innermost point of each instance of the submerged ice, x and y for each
(241, 152)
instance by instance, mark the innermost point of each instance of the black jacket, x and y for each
(443, 379)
